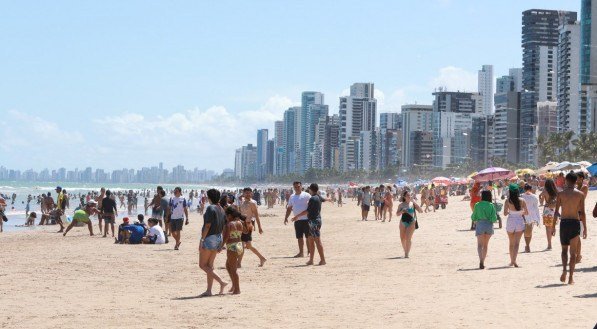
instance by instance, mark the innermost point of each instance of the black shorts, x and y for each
(176, 224)
(569, 229)
(301, 228)
(365, 207)
(246, 237)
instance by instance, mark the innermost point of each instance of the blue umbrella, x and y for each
(400, 183)
(593, 169)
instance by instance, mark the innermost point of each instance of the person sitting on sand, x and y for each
(572, 204)
(31, 219)
(407, 209)
(82, 216)
(123, 234)
(484, 216)
(233, 245)
(156, 233)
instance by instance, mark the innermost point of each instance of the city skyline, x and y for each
(121, 92)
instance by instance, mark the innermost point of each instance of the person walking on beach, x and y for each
(214, 220)
(248, 208)
(178, 213)
(533, 218)
(515, 208)
(570, 204)
(584, 188)
(365, 202)
(109, 212)
(407, 210)
(163, 213)
(82, 216)
(547, 199)
(475, 194)
(313, 213)
(297, 204)
(233, 245)
(388, 207)
(99, 200)
(484, 216)
(156, 211)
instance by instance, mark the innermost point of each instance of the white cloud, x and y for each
(454, 79)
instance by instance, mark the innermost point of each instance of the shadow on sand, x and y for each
(586, 269)
(397, 257)
(553, 285)
(468, 269)
(500, 267)
(587, 296)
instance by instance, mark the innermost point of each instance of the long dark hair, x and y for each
(235, 214)
(550, 188)
(514, 199)
(403, 197)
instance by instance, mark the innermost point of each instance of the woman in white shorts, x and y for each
(515, 208)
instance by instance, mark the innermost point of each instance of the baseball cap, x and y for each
(58, 188)
(125, 219)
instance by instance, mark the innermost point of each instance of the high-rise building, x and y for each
(414, 118)
(261, 166)
(390, 120)
(587, 117)
(316, 113)
(269, 160)
(568, 78)
(289, 159)
(516, 74)
(485, 86)
(279, 133)
(540, 37)
(358, 113)
(331, 151)
(506, 127)
(421, 151)
(452, 122)
(367, 147)
(309, 100)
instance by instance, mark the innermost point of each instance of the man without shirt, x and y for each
(297, 203)
(248, 208)
(572, 204)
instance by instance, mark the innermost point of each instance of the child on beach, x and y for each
(233, 245)
(156, 233)
(31, 219)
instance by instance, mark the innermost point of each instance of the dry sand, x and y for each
(48, 281)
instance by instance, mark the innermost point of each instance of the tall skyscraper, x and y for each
(357, 113)
(309, 100)
(414, 118)
(506, 128)
(289, 158)
(588, 68)
(261, 166)
(540, 37)
(279, 133)
(486, 90)
(317, 112)
(568, 78)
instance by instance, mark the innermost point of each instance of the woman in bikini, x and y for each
(388, 204)
(515, 208)
(233, 245)
(547, 199)
(407, 210)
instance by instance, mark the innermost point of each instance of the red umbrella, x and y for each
(493, 173)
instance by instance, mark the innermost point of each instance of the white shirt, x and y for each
(299, 203)
(177, 207)
(532, 202)
(157, 230)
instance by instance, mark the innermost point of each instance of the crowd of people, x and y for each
(230, 217)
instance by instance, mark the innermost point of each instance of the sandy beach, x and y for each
(88, 282)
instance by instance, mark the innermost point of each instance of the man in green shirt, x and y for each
(82, 216)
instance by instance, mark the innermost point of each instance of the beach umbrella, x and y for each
(493, 173)
(584, 163)
(441, 181)
(352, 184)
(525, 171)
(550, 166)
(593, 169)
(566, 165)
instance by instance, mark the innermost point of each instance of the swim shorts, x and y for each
(301, 228)
(569, 229)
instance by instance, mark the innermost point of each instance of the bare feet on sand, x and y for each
(563, 277)
(205, 294)
(222, 287)
(310, 262)
(262, 262)
(322, 262)
(299, 255)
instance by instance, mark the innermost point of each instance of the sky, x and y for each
(129, 84)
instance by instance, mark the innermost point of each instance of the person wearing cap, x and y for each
(82, 216)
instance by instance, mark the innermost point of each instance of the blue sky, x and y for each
(115, 84)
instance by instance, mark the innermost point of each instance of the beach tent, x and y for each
(493, 173)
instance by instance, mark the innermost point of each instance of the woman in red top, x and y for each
(475, 197)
